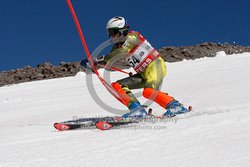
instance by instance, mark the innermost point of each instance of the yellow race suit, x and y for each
(151, 70)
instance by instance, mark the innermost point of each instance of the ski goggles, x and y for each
(112, 31)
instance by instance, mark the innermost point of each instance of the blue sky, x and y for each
(37, 31)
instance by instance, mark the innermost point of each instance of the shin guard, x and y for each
(159, 97)
(125, 98)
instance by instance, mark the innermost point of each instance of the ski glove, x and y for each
(86, 65)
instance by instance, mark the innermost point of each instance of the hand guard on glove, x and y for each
(86, 64)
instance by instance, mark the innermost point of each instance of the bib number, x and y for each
(133, 61)
(136, 58)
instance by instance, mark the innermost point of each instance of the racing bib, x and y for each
(142, 56)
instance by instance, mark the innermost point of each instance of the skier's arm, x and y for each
(131, 41)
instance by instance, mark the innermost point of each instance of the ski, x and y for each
(71, 126)
(90, 123)
(102, 123)
(83, 123)
(106, 123)
(110, 123)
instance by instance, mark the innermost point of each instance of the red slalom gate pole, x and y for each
(79, 29)
(78, 26)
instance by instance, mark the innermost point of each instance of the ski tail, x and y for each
(103, 125)
(61, 127)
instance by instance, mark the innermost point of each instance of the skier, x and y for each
(148, 64)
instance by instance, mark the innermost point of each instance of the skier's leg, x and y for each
(154, 75)
(173, 106)
(163, 99)
(125, 94)
(123, 89)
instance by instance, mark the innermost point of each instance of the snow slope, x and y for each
(216, 133)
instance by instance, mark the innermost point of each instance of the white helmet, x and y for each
(117, 24)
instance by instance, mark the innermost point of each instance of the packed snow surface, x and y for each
(215, 133)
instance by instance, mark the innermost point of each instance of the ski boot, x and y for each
(174, 108)
(136, 110)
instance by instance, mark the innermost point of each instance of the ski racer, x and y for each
(147, 62)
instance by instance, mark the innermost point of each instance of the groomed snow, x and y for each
(216, 133)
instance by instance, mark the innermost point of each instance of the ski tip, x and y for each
(61, 127)
(103, 125)
(190, 108)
